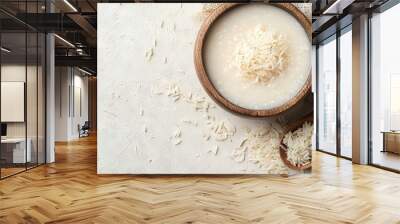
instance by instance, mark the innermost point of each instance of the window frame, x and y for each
(334, 37)
(381, 9)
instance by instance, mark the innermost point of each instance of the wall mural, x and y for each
(197, 88)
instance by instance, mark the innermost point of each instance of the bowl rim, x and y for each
(210, 88)
(283, 147)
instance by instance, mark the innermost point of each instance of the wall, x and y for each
(14, 73)
(92, 88)
(360, 90)
(314, 91)
(71, 102)
(17, 73)
(62, 112)
(142, 130)
(81, 109)
(34, 126)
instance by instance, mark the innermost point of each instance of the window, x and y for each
(385, 89)
(346, 93)
(327, 96)
(335, 74)
(22, 77)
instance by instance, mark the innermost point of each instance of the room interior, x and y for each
(55, 119)
(384, 90)
(22, 102)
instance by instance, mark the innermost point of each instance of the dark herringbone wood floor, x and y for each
(69, 191)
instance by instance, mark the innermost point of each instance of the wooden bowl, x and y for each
(213, 92)
(283, 147)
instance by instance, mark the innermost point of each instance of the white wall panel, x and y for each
(134, 124)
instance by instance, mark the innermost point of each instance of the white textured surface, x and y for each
(127, 106)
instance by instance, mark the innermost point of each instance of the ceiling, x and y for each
(75, 23)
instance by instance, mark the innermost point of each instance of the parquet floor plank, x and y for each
(70, 191)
